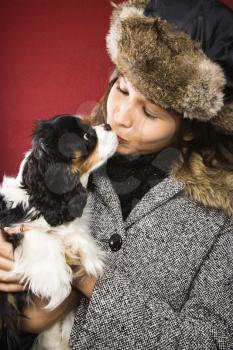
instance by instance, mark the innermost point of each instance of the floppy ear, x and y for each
(59, 179)
(56, 193)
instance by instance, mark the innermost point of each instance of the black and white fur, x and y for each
(49, 195)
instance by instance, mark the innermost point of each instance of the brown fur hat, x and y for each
(167, 66)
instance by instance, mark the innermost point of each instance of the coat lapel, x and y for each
(210, 187)
(105, 191)
(155, 197)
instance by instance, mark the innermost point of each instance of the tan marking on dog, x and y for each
(83, 167)
(74, 257)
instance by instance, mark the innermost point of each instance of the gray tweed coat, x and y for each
(170, 286)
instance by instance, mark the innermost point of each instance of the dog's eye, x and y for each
(86, 136)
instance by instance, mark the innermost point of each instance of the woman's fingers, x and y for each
(6, 264)
(6, 277)
(11, 287)
(8, 282)
(16, 229)
(6, 249)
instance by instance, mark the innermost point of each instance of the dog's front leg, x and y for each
(82, 252)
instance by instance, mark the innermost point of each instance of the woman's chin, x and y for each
(124, 149)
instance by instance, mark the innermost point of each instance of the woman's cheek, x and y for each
(110, 107)
(111, 111)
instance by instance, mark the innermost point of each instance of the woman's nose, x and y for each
(124, 116)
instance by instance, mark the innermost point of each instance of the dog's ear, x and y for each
(63, 183)
(77, 203)
(69, 143)
(59, 179)
(57, 194)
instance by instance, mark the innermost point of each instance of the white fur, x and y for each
(57, 336)
(40, 264)
(115, 33)
(112, 39)
(131, 11)
(10, 187)
(12, 193)
(107, 145)
(40, 258)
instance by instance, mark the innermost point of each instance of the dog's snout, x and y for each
(107, 127)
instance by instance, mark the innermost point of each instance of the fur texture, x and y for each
(49, 194)
(168, 67)
(224, 119)
(210, 187)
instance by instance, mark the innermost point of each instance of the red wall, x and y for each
(229, 3)
(53, 60)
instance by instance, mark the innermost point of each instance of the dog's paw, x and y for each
(84, 256)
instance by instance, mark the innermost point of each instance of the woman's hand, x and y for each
(7, 282)
(38, 319)
(85, 285)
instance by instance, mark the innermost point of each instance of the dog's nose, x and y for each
(107, 127)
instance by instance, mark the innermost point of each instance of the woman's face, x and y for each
(144, 126)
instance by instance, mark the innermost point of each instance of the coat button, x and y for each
(115, 242)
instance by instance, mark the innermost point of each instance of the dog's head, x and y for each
(65, 149)
(61, 137)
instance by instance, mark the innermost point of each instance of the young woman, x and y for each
(163, 205)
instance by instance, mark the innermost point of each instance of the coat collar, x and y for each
(155, 197)
(212, 188)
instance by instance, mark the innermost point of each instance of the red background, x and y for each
(53, 60)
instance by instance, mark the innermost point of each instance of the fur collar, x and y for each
(210, 187)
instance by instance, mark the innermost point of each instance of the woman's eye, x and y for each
(86, 136)
(121, 90)
(148, 114)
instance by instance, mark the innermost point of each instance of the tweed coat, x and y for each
(170, 286)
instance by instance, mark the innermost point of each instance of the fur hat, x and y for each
(169, 65)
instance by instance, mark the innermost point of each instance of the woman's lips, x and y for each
(120, 139)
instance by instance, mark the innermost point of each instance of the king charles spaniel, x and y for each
(50, 195)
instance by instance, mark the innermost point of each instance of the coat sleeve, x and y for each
(120, 315)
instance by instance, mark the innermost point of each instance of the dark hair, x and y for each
(214, 146)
